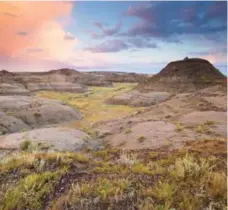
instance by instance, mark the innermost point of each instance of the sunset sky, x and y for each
(110, 36)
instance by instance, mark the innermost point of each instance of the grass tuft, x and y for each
(30, 191)
(141, 139)
(25, 145)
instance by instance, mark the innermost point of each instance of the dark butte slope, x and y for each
(184, 76)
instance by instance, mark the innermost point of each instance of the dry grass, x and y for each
(92, 105)
(179, 127)
(114, 179)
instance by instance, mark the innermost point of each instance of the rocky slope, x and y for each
(53, 138)
(18, 113)
(182, 118)
(67, 80)
(136, 98)
(182, 76)
(121, 76)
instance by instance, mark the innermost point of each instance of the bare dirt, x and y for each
(184, 117)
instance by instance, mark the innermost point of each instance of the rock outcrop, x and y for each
(13, 89)
(67, 80)
(55, 138)
(21, 112)
(121, 76)
(136, 98)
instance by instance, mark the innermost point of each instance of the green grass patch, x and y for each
(30, 191)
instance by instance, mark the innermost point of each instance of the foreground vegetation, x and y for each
(193, 178)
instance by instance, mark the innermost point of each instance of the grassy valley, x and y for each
(92, 105)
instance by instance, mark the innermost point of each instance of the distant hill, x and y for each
(183, 76)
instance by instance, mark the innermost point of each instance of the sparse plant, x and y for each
(127, 159)
(29, 192)
(81, 158)
(146, 204)
(202, 129)
(106, 187)
(37, 114)
(164, 190)
(122, 143)
(43, 146)
(128, 130)
(179, 127)
(140, 168)
(189, 166)
(210, 123)
(199, 129)
(101, 153)
(25, 145)
(23, 129)
(153, 154)
(168, 116)
(217, 186)
(141, 139)
(3, 132)
(167, 143)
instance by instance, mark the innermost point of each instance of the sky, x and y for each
(135, 36)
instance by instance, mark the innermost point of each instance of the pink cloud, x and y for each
(29, 18)
(33, 37)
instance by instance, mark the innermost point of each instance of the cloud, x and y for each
(35, 18)
(45, 42)
(32, 61)
(10, 14)
(112, 31)
(141, 11)
(94, 35)
(217, 10)
(160, 21)
(22, 33)
(213, 55)
(109, 46)
(69, 36)
(35, 50)
(141, 43)
(117, 45)
(105, 31)
(98, 25)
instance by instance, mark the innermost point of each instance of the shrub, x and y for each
(25, 145)
(179, 127)
(217, 185)
(141, 139)
(128, 130)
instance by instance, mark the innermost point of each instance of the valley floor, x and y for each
(92, 105)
